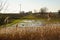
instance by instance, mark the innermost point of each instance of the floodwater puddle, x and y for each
(30, 23)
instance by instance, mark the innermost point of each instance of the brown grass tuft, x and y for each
(33, 33)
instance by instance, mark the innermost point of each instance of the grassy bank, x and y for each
(10, 24)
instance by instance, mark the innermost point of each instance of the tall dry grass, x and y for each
(33, 33)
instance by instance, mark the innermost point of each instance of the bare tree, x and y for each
(2, 4)
(43, 10)
(59, 12)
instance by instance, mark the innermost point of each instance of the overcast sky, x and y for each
(30, 5)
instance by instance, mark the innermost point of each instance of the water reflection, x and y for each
(30, 23)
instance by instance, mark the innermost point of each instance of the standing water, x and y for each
(30, 23)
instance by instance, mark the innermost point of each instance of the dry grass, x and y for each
(33, 33)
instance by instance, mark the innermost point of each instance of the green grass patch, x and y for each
(14, 22)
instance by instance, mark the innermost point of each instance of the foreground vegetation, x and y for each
(32, 33)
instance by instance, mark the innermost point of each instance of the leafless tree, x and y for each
(2, 4)
(59, 12)
(43, 10)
